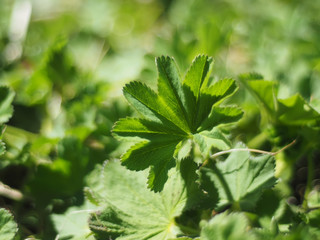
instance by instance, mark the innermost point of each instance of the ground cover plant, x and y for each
(192, 190)
(157, 119)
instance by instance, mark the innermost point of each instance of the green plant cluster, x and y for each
(98, 142)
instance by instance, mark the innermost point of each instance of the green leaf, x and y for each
(241, 178)
(264, 91)
(197, 75)
(171, 91)
(8, 227)
(174, 117)
(183, 149)
(139, 213)
(221, 115)
(207, 140)
(213, 95)
(157, 154)
(293, 110)
(296, 111)
(151, 106)
(6, 98)
(62, 177)
(73, 224)
(223, 226)
(143, 128)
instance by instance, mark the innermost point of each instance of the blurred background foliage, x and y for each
(65, 63)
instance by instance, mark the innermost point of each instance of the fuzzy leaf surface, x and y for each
(241, 178)
(140, 213)
(174, 117)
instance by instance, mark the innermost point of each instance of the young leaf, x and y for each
(181, 112)
(241, 178)
(139, 213)
(8, 227)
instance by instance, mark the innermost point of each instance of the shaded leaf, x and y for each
(241, 178)
(264, 91)
(296, 111)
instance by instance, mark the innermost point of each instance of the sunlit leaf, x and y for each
(8, 227)
(140, 213)
(241, 178)
(180, 113)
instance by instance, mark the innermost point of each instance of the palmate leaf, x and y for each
(139, 213)
(180, 113)
(240, 179)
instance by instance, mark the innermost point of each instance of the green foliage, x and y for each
(292, 111)
(8, 227)
(6, 109)
(62, 67)
(240, 179)
(140, 213)
(73, 224)
(181, 110)
(226, 226)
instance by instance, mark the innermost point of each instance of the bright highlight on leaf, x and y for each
(181, 110)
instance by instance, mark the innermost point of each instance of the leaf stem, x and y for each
(9, 192)
(247, 150)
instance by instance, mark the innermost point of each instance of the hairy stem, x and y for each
(247, 150)
(9, 192)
